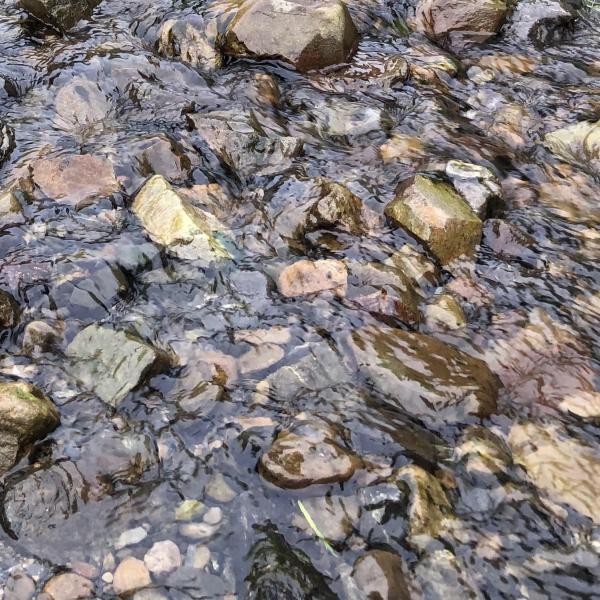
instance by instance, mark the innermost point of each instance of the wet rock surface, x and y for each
(309, 34)
(268, 385)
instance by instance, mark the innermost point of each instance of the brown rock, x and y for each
(441, 20)
(69, 586)
(75, 179)
(297, 461)
(312, 277)
(379, 574)
(309, 34)
(131, 575)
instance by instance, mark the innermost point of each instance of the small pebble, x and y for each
(218, 489)
(213, 515)
(198, 556)
(197, 531)
(131, 537)
(107, 577)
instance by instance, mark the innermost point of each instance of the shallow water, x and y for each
(532, 313)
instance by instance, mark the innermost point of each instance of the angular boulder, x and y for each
(543, 22)
(242, 145)
(61, 14)
(379, 574)
(26, 415)
(110, 363)
(308, 34)
(76, 179)
(435, 213)
(184, 230)
(477, 185)
(193, 40)
(442, 20)
(11, 211)
(423, 376)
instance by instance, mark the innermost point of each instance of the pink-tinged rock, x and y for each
(312, 277)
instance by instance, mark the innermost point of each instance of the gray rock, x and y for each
(308, 34)
(62, 14)
(110, 363)
(441, 576)
(81, 103)
(160, 155)
(19, 586)
(193, 40)
(7, 142)
(243, 146)
(131, 537)
(477, 185)
(436, 214)
(543, 22)
(423, 376)
(186, 231)
(26, 415)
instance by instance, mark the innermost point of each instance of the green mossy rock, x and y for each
(435, 213)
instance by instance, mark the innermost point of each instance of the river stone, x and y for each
(335, 516)
(237, 141)
(159, 155)
(163, 558)
(477, 185)
(577, 144)
(444, 310)
(11, 211)
(424, 376)
(565, 469)
(131, 575)
(26, 415)
(9, 310)
(81, 103)
(440, 576)
(306, 277)
(62, 14)
(297, 461)
(7, 142)
(436, 214)
(442, 20)
(543, 22)
(429, 507)
(280, 571)
(192, 39)
(77, 179)
(308, 34)
(379, 574)
(69, 586)
(186, 231)
(110, 363)
(19, 586)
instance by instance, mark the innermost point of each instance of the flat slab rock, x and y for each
(434, 212)
(308, 34)
(110, 363)
(424, 376)
(311, 277)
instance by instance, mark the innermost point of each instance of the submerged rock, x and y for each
(192, 39)
(186, 231)
(335, 516)
(477, 185)
(565, 469)
(110, 363)
(62, 14)
(544, 22)
(446, 311)
(7, 142)
(379, 574)
(297, 460)
(160, 155)
(163, 558)
(423, 376)
(308, 34)
(436, 214)
(40, 337)
(578, 144)
(280, 571)
(313, 277)
(76, 179)
(69, 586)
(81, 103)
(441, 576)
(131, 575)
(9, 311)
(443, 21)
(239, 142)
(11, 211)
(26, 415)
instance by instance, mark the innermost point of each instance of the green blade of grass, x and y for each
(314, 527)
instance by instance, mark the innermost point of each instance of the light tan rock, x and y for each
(131, 575)
(311, 277)
(69, 586)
